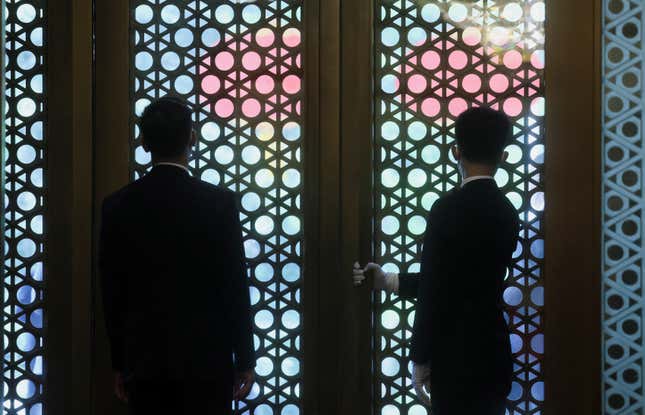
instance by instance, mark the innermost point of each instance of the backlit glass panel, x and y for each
(24, 204)
(239, 64)
(622, 207)
(433, 60)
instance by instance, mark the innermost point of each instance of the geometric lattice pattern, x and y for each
(622, 207)
(239, 64)
(434, 59)
(24, 205)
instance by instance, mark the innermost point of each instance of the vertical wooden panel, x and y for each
(572, 291)
(68, 265)
(331, 275)
(111, 155)
(81, 293)
(356, 188)
(58, 308)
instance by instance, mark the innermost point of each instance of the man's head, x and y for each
(482, 134)
(167, 128)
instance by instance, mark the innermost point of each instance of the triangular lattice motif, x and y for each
(622, 207)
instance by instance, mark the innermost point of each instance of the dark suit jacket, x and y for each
(175, 290)
(459, 325)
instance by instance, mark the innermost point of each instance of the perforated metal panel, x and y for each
(622, 189)
(434, 59)
(25, 199)
(239, 63)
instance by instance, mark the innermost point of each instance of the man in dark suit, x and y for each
(460, 346)
(174, 283)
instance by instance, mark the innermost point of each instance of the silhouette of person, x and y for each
(460, 345)
(174, 284)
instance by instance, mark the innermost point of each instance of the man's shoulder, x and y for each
(215, 192)
(446, 201)
(204, 191)
(459, 201)
(114, 199)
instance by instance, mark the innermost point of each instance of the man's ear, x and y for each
(193, 138)
(456, 152)
(504, 156)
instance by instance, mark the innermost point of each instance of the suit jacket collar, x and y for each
(476, 178)
(171, 168)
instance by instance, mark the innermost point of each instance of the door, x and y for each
(242, 67)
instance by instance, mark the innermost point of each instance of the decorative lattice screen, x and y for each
(434, 59)
(239, 64)
(24, 203)
(622, 206)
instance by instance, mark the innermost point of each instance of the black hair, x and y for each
(166, 125)
(482, 134)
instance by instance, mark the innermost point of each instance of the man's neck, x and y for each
(476, 170)
(182, 161)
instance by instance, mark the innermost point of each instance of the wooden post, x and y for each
(572, 231)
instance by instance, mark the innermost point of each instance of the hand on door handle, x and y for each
(377, 279)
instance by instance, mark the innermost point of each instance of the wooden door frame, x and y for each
(338, 364)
